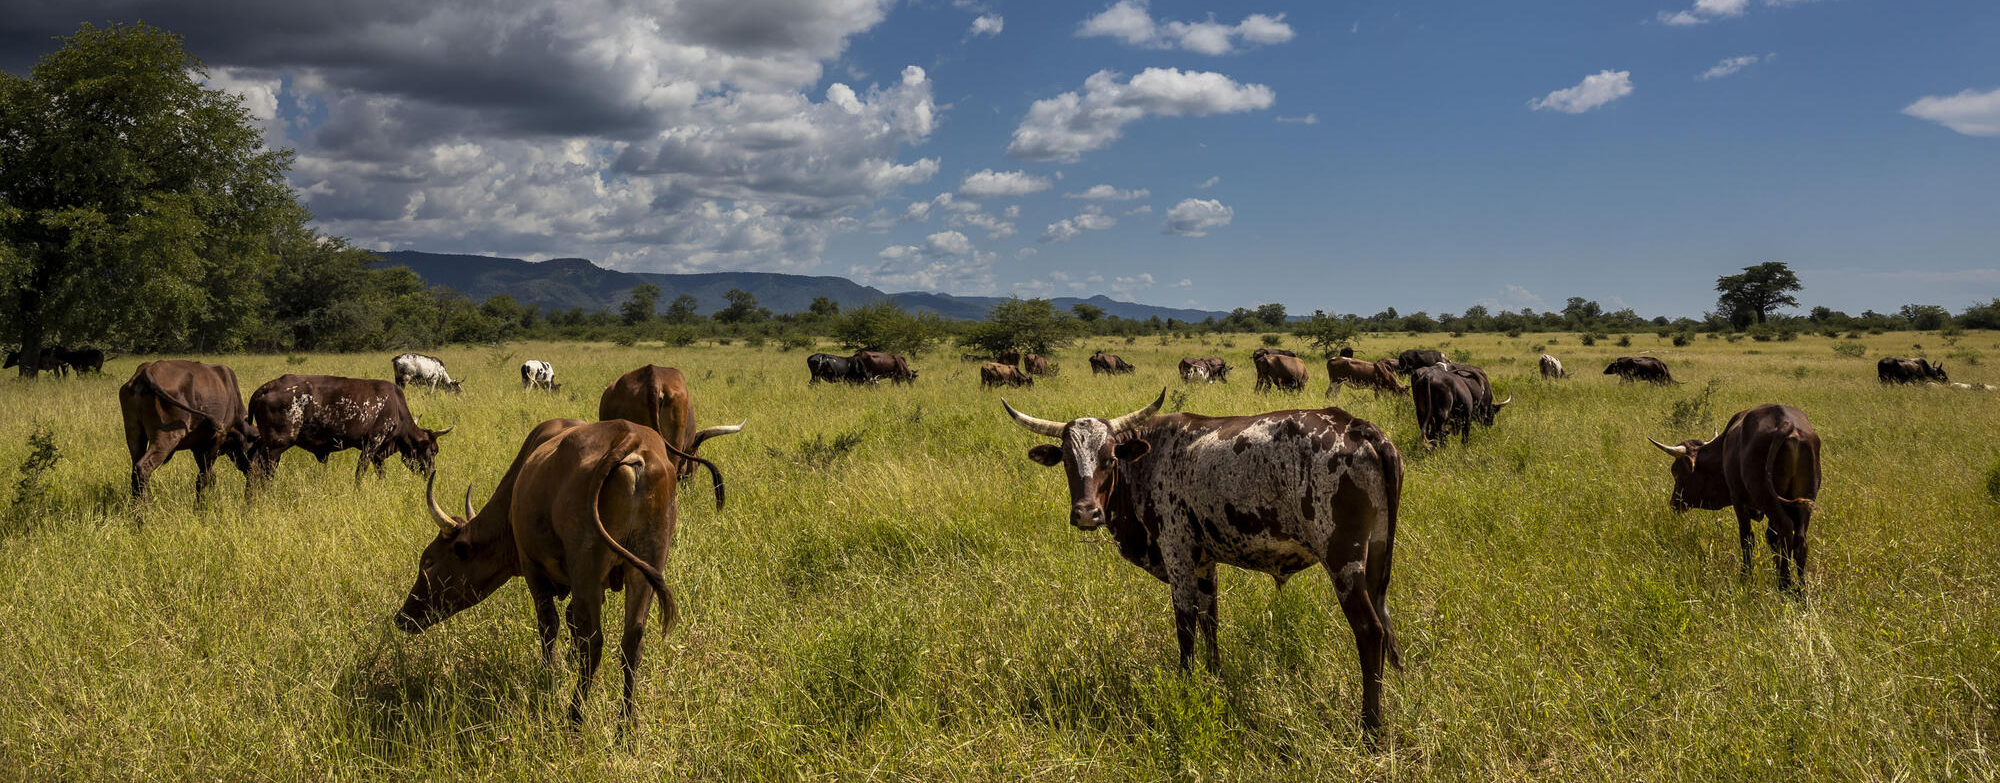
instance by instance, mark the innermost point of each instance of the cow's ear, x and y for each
(1047, 455)
(1133, 449)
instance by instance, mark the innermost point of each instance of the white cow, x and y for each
(1552, 367)
(426, 370)
(537, 374)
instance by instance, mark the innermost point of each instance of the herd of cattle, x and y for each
(590, 506)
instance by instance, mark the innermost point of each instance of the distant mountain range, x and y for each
(566, 283)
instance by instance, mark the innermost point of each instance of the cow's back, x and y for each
(1770, 449)
(561, 482)
(651, 396)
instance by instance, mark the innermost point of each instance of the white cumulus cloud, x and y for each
(1091, 218)
(1070, 124)
(988, 183)
(1595, 90)
(1731, 65)
(1132, 22)
(987, 24)
(1195, 217)
(1705, 11)
(1970, 112)
(1309, 119)
(1109, 193)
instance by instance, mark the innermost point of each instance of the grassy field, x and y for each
(894, 591)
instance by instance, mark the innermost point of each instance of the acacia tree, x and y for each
(134, 203)
(1032, 325)
(1754, 294)
(639, 309)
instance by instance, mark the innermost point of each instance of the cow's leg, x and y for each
(1799, 543)
(638, 601)
(157, 453)
(1780, 552)
(204, 461)
(544, 594)
(1350, 580)
(1204, 584)
(586, 634)
(1187, 602)
(1746, 539)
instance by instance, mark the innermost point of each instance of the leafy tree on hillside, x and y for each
(639, 309)
(1086, 312)
(742, 308)
(824, 307)
(682, 309)
(883, 326)
(134, 204)
(1750, 297)
(1033, 325)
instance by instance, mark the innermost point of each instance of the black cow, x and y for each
(830, 368)
(81, 360)
(1640, 368)
(1416, 359)
(1483, 406)
(50, 362)
(1764, 464)
(1894, 370)
(324, 414)
(1445, 403)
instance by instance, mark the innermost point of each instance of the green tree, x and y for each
(1033, 325)
(742, 308)
(1580, 312)
(639, 309)
(884, 326)
(1925, 317)
(134, 204)
(1981, 316)
(823, 307)
(1328, 334)
(323, 294)
(682, 310)
(1273, 315)
(1086, 312)
(1751, 296)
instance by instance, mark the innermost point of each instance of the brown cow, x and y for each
(1102, 362)
(658, 397)
(175, 405)
(1010, 357)
(1640, 368)
(1380, 376)
(1035, 364)
(1209, 368)
(594, 509)
(996, 374)
(1765, 464)
(1284, 372)
(324, 414)
(876, 364)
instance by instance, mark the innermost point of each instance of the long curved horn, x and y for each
(1038, 426)
(714, 432)
(443, 520)
(1678, 451)
(1126, 422)
(1503, 403)
(469, 513)
(443, 432)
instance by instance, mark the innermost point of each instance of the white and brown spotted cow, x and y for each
(1277, 492)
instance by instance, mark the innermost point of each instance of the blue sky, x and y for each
(1344, 156)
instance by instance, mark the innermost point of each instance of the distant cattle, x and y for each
(1010, 357)
(1416, 359)
(1552, 368)
(1284, 372)
(48, 362)
(1444, 404)
(1102, 362)
(1211, 369)
(171, 406)
(1483, 408)
(996, 374)
(583, 507)
(537, 374)
(1035, 364)
(1894, 370)
(324, 414)
(830, 368)
(1640, 368)
(657, 397)
(420, 369)
(1380, 376)
(80, 360)
(876, 364)
(1277, 492)
(1764, 464)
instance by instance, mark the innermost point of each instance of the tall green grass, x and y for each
(894, 592)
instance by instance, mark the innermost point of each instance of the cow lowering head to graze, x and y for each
(1275, 492)
(584, 507)
(877, 365)
(1444, 404)
(1379, 376)
(422, 370)
(1263, 352)
(1895, 370)
(993, 374)
(1552, 368)
(1640, 368)
(324, 414)
(1211, 369)
(831, 369)
(658, 397)
(1102, 362)
(536, 374)
(1764, 464)
(1035, 364)
(1010, 357)
(1284, 372)
(1415, 359)
(1483, 408)
(172, 406)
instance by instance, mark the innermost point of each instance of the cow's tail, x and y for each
(1392, 484)
(153, 387)
(1792, 443)
(713, 473)
(621, 454)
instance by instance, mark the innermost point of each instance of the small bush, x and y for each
(795, 342)
(754, 341)
(42, 458)
(295, 359)
(1271, 340)
(1851, 350)
(1588, 339)
(723, 341)
(1624, 341)
(1513, 333)
(1461, 356)
(1761, 333)
(1853, 335)
(1993, 482)
(1736, 337)
(680, 338)
(1681, 339)
(625, 339)
(1132, 340)
(1693, 413)
(1712, 335)
(1537, 348)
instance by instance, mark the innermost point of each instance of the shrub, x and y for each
(1851, 350)
(1513, 333)
(1693, 413)
(1461, 356)
(42, 458)
(723, 341)
(1624, 341)
(1993, 482)
(1761, 333)
(680, 338)
(1271, 340)
(1681, 339)
(754, 341)
(1588, 339)
(795, 342)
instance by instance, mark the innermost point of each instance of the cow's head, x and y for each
(239, 443)
(454, 387)
(1090, 452)
(457, 570)
(1936, 371)
(1220, 369)
(1691, 486)
(420, 449)
(1487, 412)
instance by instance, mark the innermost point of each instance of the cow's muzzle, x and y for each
(1087, 515)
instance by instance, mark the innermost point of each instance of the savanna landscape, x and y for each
(893, 590)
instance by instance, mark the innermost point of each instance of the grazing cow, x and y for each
(536, 374)
(1415, 359)
(1102, 362)
(1210, 369)
(50, 362)
(877, 365)
(1552, 368)
(174, 405)
(1010, 357)
(1483, 408)
(324, 414)
(1277, 492)
(1263, 352)
(583, 507)
(81, 360)
(1380, 376)
(418, 368)
(1893, 370)
(1035, 364)
(993, 374)
(658, 397)
(830, 368)
(1284, 372)
(1640, 368)
(1765, 464)
(1444, 404)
